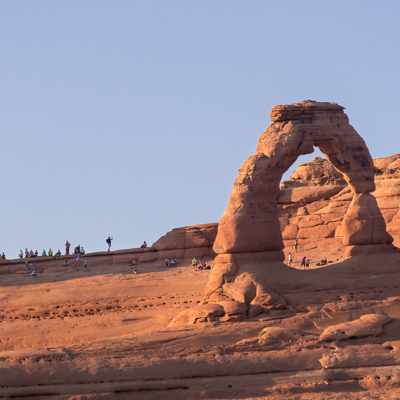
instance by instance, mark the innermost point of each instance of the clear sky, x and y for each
(131, 118)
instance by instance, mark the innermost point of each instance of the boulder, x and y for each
(268, 299)
(232, 317)
(254, 310)
(187, 237)
(233, 307)
(363, 223)
(367, 325)
(203, 313)
(243, 292)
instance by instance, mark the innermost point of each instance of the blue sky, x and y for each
(131, 118)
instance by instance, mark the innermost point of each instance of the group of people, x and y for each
(31, 254)
(199, 265)
(78, 249)
(78, 252)
(305, 263)
(168, 263)
(30, 268)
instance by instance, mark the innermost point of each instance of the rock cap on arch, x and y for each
(302, 111)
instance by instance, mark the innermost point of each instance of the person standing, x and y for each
(290, 259)
(303, 262)
(67, 246)
(108, 241)
(194, 263)
(77, 260)
(85, 266)
(295, 246)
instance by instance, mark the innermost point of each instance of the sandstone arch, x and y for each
(249, 229)
(250, 222)
(249, 240)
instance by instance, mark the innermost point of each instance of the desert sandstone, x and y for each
(252, 327)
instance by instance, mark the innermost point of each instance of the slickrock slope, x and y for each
(266, 330)
(104, 334)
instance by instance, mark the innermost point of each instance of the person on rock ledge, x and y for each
(144, 245)
(303, 262)
(194, 263)
(290, 259)
(108, 241)
(67, 246)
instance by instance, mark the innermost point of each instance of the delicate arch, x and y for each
(250, 222)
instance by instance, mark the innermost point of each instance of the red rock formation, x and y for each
(305, 216)
(250, 228)
(318, 172)
(250, 222)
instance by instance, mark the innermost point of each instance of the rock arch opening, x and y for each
(250, 222)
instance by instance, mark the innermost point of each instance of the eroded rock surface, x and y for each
(367, 325)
